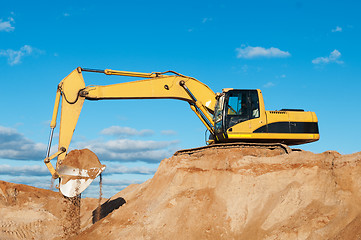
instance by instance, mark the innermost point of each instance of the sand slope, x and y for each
(241, 194)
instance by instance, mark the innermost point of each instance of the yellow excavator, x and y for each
(231, 116)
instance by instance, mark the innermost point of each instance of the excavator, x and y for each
(231, 116)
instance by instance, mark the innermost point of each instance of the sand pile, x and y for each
(31, 213)
(241, 194)
(211, 194)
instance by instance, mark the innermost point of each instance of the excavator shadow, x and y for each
(106, 208)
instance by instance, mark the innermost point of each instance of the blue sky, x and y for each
(301, 54)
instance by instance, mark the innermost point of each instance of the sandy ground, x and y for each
(212, 194)
(32, 213)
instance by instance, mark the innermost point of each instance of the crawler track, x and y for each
(271, 146)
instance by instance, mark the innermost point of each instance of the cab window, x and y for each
(242, 105)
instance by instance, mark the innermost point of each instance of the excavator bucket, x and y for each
(77, 171)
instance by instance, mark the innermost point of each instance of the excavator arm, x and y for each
(72, 92)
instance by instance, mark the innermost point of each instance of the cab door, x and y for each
(244, 113)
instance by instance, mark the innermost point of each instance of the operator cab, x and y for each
(233, 107)
(240, 116)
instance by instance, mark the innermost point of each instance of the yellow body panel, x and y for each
(292, 116)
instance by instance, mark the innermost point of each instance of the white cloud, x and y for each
(27, 170)
(119, 182)
(130, 150)
(281, 76)
(14, 145)
(41, 170)
(120, 169)
(258, 52)
(204, 20)
(337, 29)
(35, 181)
(332, 58)
(126, 131)
(15, 56)
(6, 26)
(268, 85)
(168, 132)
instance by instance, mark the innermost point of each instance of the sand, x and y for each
(212, 194)
(33, 213)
